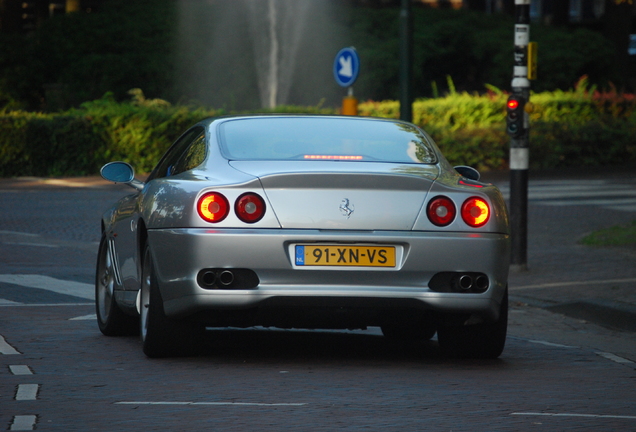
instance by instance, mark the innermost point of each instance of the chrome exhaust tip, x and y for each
(465, 282)
(226, 277)
(482, 282)
(208, 278)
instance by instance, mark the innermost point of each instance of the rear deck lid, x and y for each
(343, 195)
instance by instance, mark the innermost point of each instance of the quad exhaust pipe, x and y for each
(460, 282)
(479, 282)
(209, 278)
(226, 278)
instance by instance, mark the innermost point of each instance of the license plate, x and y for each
(344, 255)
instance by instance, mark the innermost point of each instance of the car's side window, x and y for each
(166, 166)
(192, 157)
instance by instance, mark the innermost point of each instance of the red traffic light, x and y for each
(515, 119)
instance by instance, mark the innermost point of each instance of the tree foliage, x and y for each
(76, 57)
(124, 45)
(474, 49)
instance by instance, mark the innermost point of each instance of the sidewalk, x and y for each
(575, 294)
(75, 182)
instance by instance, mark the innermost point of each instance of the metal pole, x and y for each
(406, 62)
(519, 146)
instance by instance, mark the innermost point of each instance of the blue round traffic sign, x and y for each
(346, 66)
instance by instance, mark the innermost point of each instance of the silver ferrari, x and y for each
(298, 221)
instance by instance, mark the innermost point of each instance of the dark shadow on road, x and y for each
(301, 346)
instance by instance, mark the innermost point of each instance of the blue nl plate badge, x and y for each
(300, 255)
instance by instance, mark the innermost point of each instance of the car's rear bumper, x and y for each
(180, 254)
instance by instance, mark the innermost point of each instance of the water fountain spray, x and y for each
(276, 30)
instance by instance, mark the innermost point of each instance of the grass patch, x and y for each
(619, 235)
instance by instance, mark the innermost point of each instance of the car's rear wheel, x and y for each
(112, 321)
(484, 341)
(160, 335)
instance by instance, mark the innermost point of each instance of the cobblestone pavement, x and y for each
(286, 380)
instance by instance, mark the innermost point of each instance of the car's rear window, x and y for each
(324, 138)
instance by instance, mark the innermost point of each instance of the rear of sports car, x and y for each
(328, 222)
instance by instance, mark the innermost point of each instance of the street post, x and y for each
(518, 128)
(406, 62)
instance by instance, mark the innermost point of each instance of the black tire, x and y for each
(160, 335)
(112, 321)
(421, 329)
(480, 341)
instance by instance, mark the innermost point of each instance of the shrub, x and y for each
(37, 144)
(583, 127)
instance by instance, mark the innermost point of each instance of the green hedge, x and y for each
(583, 127)
(79, 141)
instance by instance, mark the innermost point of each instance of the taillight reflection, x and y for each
(213, 207)
(441, 211)
(250, 207)
(475, 212)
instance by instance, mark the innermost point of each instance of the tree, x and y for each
(617, 26)
(557, 12)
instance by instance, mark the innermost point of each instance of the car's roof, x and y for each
(228, 117)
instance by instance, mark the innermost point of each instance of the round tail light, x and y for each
(441, 211)
(250, 207)
(213, 207)
(475, 212)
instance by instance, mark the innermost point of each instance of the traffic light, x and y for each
(515, 118)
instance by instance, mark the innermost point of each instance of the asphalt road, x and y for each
(560, 371)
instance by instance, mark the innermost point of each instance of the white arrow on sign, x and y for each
(346, 66)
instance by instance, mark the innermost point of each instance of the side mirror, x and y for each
(468, 172)
(121, 172)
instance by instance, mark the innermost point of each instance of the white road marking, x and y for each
(586, 192)
(629, 208)
(23, 422)
(598, 202)
(576, 283)
(614, 358)
(27, 392)
(18, 233)
(551, 344)
(85, 317)
(213, 403)
(28, 239)
(5, 348)
(31, 244)
(20, 370)
(570, 193)
(629, 417)
(46, 304)
(4, 302)
(77, 289)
